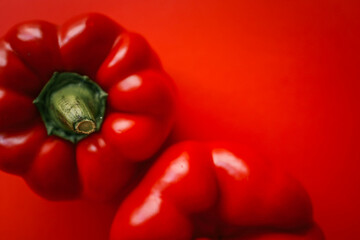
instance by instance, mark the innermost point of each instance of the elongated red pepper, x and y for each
(102, 96)
(215, 191)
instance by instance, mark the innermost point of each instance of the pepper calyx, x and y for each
(71, 106)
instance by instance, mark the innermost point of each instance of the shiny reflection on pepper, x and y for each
(119, 55)
(75, 30)
(29, 33)
(13, 141)
(2, 93)
(149, 209)
(151, 206)
(177, 170)
(94, 148)
(121, 125)
(130, 83)
(3, 58)
(231, 163)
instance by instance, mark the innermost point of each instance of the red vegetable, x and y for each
(88, 59)
(215, 191)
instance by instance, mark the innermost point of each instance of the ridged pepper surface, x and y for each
(216, 190)
(103, 105)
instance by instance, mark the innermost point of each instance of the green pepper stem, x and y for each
(71, 106)
(85, 126)
(71, 109)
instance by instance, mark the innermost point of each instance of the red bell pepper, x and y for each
(100, 93)
(215, 191)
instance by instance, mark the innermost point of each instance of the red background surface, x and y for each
(281, 76)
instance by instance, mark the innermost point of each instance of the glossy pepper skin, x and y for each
(214, 191)
(139, 111)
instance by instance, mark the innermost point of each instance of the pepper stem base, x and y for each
(71, 106)
(85, 126)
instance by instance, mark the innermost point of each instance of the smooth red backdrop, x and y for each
(281, 76)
